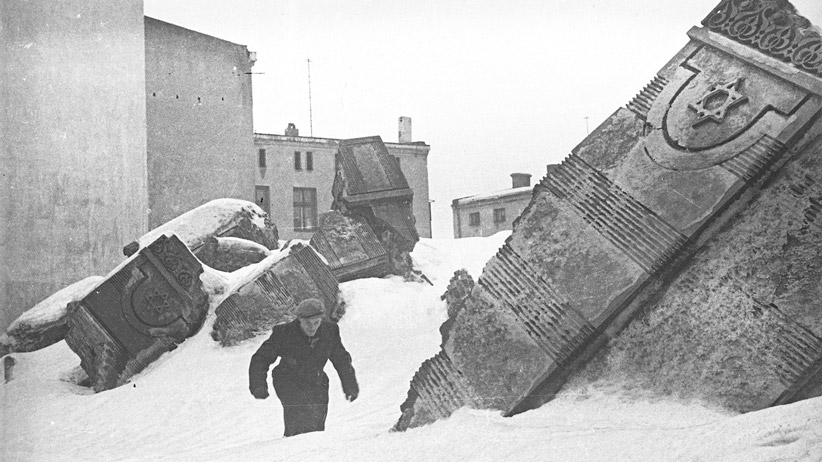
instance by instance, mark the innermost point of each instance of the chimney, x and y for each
(292, 130)
(405, 129)
(519, 180)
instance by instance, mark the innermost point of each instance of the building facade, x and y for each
(72, 143)
(113, 124)
(487, 214)
(295, 173)
(199, 121)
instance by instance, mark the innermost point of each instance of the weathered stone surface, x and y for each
(742, 326)
(47, 322)
(274, 293)
(370, 187)
(144, 308)
(230, 253)
(218, 218)
(693, 207)
(350, 248)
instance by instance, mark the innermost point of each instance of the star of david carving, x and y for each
(709, 107)
(157, 303)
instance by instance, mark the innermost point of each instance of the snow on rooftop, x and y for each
(505, 193)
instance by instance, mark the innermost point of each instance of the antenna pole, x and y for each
(310, 112)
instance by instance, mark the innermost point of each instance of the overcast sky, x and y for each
(493, 87)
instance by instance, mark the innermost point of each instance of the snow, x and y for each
(55, 306)
(193, 403)
(202, 220)
(495, 195)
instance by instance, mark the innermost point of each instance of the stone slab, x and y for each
(628, 225)
(350, 248)
(274, 293)
(144, 308)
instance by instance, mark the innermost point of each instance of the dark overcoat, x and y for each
(298, 379)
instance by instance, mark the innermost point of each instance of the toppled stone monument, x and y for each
(350, 248)
(370, 186)
(220, 218)
(690, 216)
(144, 308)
(273, 293)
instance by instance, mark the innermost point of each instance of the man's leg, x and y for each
(305, 406)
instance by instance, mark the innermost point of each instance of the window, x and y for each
(298, 164)
(499, 215)
(305, 209)
(473, 219)
(398, 162)
(309, 160)
(261, 161)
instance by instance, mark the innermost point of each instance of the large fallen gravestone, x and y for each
(144, 308)
(370, 186)
(694, 210)
(350, 248)
(273, 293)
(220, 218)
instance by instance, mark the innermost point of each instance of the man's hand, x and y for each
(260, 392)
(351, 396)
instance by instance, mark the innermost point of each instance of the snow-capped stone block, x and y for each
(217, 218)
(350, 248)
(144, 308)
(230, 253)
(370, 186)
(273, 293)
(691, 217)
(45, 323)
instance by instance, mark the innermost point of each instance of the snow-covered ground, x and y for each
(193, 403)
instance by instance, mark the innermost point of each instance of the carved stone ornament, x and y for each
(773, 27)
(714, 104)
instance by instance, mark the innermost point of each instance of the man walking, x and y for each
(303, 345)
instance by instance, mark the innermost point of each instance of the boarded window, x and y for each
(499, 215)
(305, 209)
(473, 219)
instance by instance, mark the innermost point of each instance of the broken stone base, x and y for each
(144, 308)
(370, 187)
(350, 248)
(273, 295)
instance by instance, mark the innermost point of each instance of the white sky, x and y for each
(493, 87)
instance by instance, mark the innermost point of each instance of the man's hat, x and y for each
(309, 308)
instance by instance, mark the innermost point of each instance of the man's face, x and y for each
(310, 325)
